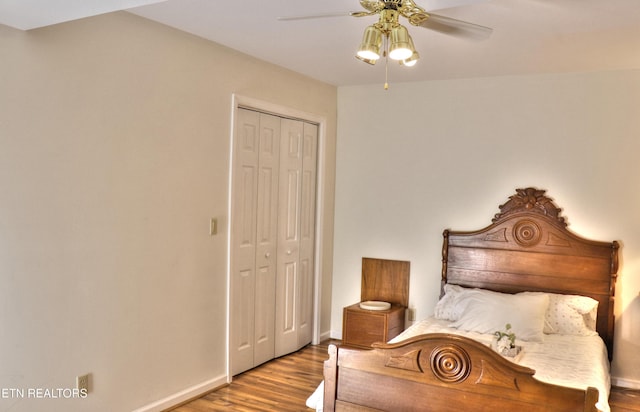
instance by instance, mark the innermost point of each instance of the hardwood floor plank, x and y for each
(284, 384)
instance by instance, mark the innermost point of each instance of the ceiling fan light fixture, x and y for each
(411, 61)
(370, 46)
(400, 47)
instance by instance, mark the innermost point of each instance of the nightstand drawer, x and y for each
(362, 327)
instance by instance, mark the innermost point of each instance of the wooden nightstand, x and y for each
(363, 327)
(382, 280)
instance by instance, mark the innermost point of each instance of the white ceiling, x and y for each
(529, 36)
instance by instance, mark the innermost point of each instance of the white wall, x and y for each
(114, 155)
(423, 157)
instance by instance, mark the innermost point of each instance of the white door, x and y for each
(273, 231)
(254, 239)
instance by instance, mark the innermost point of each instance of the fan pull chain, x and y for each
(386, 74)
(386, 63)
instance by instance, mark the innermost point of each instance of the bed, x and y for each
(525, 268)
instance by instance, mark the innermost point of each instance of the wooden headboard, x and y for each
(529, 248)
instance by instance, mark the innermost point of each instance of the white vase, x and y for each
(511, 352)
(508, 352)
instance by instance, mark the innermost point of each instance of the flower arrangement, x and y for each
(505, 340)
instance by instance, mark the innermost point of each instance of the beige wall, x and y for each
(114, 155)
(424, 157)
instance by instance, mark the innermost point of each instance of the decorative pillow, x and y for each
(487, 312)
(570, 314)
(582, 305)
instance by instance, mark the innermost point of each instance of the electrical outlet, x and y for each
(82, 383)
(411, 315)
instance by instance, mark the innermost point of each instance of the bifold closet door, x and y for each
(273, 232)
(253, 267)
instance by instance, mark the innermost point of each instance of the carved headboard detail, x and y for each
(530, 200)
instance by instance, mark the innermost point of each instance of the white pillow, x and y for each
(566, 314)
(570, 314)
(487, 312)
(447, 307)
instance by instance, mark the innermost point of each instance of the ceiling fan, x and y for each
(398, 44)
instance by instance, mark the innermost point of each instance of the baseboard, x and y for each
(185, 395)
(325, 336)
(336, 334)
(625, 383)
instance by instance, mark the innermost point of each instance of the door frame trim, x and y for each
(240, 101)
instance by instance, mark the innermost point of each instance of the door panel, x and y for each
(289, 302)
(245, 335)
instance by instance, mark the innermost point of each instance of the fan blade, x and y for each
(322, 16)
(314, 16)
(450, 25)
(432, 5)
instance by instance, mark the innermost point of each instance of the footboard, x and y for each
(440, 372)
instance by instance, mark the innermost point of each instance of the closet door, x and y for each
(272, 238)
(296, 232)
(254, 239)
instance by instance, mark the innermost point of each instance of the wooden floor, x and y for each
(624, 400)
(284, 385)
